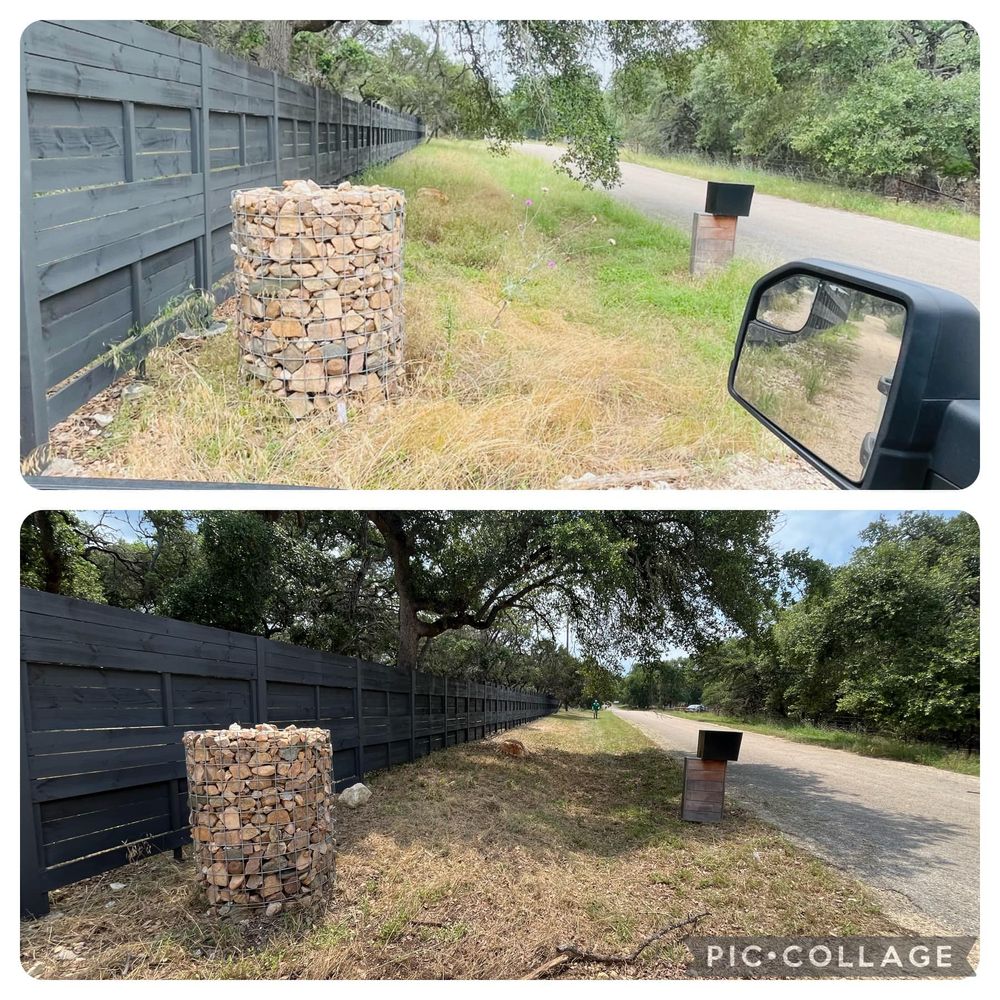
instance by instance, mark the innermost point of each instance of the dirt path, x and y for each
(779, 230)
(911, 832)
(853, 401)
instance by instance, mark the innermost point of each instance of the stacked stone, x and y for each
(319, 283)
(261, 815)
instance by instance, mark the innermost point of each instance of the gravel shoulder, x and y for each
(908, 831)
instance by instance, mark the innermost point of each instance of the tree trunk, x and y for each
(55, 563)
(409, 637)
(276, 51)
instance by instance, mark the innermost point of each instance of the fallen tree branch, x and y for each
(546, 967)
(568, 953)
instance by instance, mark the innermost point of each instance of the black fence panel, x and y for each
(131, 141)
(106, 695)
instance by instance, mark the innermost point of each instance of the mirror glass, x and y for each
(818, 361)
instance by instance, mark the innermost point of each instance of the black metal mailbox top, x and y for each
(719, 744)
(728, 199)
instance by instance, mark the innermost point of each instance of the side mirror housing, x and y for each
(872, 379)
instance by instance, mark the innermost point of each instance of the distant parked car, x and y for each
(696, 708)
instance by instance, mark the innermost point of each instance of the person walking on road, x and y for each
(595, 706)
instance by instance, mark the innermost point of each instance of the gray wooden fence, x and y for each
(106, 695)
(131, 141)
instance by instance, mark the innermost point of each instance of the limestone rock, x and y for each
(513, 748)
(357, 795)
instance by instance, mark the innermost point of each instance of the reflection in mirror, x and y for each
(818, 361)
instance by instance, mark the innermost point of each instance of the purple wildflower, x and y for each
(528, 201)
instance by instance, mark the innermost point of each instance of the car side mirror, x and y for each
(872, 379)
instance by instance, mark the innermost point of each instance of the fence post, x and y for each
(445, 743)
(359, 716)
(205, 148)
(34, 403)
(261, 680)
(34, 898)
(341, 140)
(173, 786)
(316, 134)
(413, 715)
(275, 131)
(468, 709)
(135, 268)
(243, 139)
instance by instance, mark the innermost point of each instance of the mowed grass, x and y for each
(864, 744)
(609, 358)
(943, 218)
(471, 864)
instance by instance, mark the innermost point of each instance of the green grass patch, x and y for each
(940, 218)
(864, 744)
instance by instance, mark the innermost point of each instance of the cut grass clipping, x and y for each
(863, 744)
(471, 864)
(608, 358)
(943, 218)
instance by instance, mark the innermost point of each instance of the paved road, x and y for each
(910, 832)
(780, 230)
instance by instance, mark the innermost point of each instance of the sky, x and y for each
(830, 535)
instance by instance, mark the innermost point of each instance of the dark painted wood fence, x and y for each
(106, 695)
(131, 141)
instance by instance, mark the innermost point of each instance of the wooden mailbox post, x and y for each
(713, 233)
(704, 795)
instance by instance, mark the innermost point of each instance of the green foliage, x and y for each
(479, 589)
(54, 556)
(661, 683)
(229, 584)
(897, 120)
(851, 100)
(888, 642)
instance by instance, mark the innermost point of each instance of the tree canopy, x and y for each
(854, 100)
(469, 591)
(889, 641)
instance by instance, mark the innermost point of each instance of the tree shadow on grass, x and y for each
(607, 804)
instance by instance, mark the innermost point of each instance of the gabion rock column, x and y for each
(319, 278)
(261, 815)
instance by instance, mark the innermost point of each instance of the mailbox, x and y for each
(703, 799)
(719, 744)
(728, 199)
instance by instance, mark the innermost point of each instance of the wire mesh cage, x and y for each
(319, 277)
(261, 815)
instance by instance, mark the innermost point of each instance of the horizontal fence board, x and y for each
(97, 864)
(143, 35)
(60, 275)
(46, 38)
(96, 205)
(105, 764)
(83, 237)
(55, 76)
(102, 840)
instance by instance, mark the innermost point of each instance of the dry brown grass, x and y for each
(612, 361)
(470, 864)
